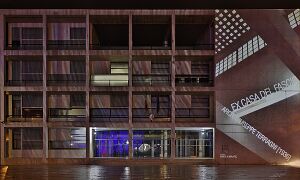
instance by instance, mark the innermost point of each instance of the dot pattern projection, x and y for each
(294, 18)
(228, 27)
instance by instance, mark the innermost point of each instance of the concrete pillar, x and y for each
(91, 143)
(9, 143)
(2, 140)
(152, 148)
(162, 145)
(87, 87)
(186, 144)
(130, 135)
(45, 103)
(165, 143)
(173, 135)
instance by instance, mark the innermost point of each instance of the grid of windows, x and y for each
(229, 26)
(294, 18)
(249, 48)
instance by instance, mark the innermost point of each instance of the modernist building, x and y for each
(111, 86)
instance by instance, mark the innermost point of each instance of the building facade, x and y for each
(147, 86)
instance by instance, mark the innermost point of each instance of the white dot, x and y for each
(217, 19)
(220, 22)
(216, 26)
(237, 16)
(234, 11)
(239, 34)
(248, 28)
(236, 23)
(224, 26)
(229, 15)
(226, 44)
(225, 11)
(234, 37)
(219, 43)
(225, 19)
(230, 41)
(223, 47)
(231, 27)
(245, 24)
(217, 10)
(223, 34)
(220, 30)
(235, 31)
(228, 23)
(227, 37)
(241, 20)
(232, 19)
(240, 27)
(243, 31)
(221, 15)
(231, 34)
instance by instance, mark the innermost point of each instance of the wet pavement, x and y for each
(185, 172)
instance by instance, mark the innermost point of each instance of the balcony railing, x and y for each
(103, 47)
(109, 114)
(24, 82)
(67, 114)
(23, 46)
(151, 80)
(66, 79)
(26, 79)
(109, 80)
(67, 144)
(151, 47)
(193, 80)
(65, 44)
(151, 114)
(24, 118)
(197, 47)
(192, 112)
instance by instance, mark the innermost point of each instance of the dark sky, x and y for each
(149, 4)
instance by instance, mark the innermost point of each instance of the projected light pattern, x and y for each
(248, 49)
(112, 143)
(294, 18)
(229, 26)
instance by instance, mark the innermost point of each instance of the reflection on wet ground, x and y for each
(148, 172)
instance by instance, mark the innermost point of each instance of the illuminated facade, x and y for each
(166, 86)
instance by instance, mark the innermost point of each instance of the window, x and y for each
(151, 143)
(32, 33)
(77, 33)
(26, 138)
(119, 68)
(64, 138)
(77, 67)
(77, 100)
(32, 138)
(32, 100)
(159, 101)
(16, 135)
(110, 143)
(194, 143)
(160, 68)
